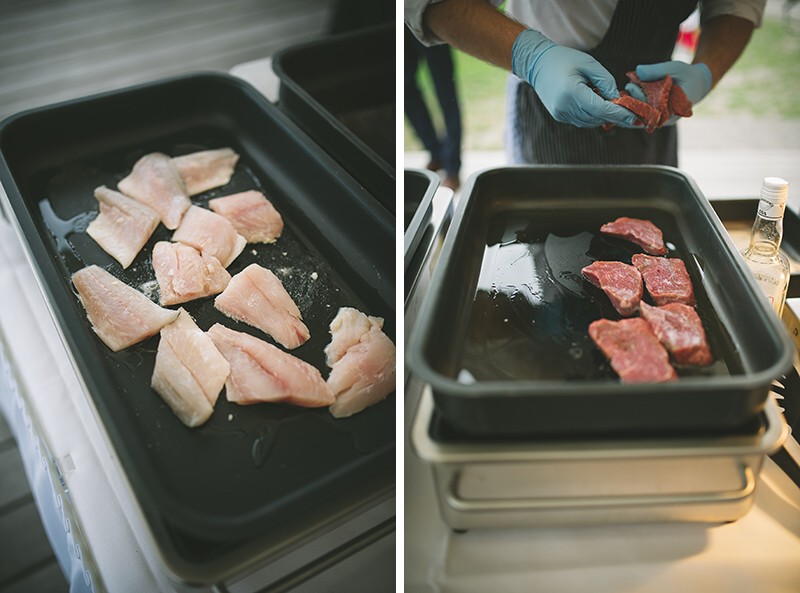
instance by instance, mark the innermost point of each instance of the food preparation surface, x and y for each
(184, 478)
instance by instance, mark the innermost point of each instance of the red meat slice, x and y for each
(679, 103)
(679, 329)
(657, 93)
(642, 232)
(666, 279)
(648, 116)
(621, 283)
(635, 353)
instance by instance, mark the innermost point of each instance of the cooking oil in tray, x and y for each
(532, 308)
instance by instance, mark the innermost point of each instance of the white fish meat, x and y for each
(185, 274)
(206, 169)
(211, 234)
(347, 328)
(365, 373)
(260, 372)
(190, 371)
(155, 182)
(257, 297)
(251, 214)
(123, 225)
(120, 315)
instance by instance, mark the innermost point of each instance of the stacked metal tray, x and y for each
(502, 335)
(341, 91)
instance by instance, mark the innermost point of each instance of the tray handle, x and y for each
(521, 504)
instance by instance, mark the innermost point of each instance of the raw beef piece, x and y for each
(621, 283)
(648, 116)
(657, 93)
(635, 353)
(642, 232)
(185, 274)
(257, 297)
(260, 372)
(189, 371)
(206, 169)
(679, 103)
(123, 226)
(363, 363)
(251, 214)
(155, 182)
(666, 279)
(211, 234)
(680, 330)
(120, 315)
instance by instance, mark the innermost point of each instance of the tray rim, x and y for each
(413, 235)
(421, 367)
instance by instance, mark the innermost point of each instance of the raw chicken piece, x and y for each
(206, 169)
(211, 234)
(189, 371)
(364, 373)
(251, 214)
(185, 274)
(260, 372)
(123, 225)
(346, 330)
(120, 315)
(257, 297)
(156, 183)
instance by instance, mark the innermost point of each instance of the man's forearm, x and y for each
(722, 41)
(474, 27)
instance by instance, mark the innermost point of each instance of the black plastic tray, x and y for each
(544, 375)
(742, 214)
(341, 91)
(419, 187)
(253, 479)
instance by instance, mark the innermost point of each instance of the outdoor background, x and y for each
(746, 128)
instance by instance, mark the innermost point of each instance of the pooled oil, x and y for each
(532, 308)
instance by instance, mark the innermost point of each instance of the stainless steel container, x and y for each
(483, 483)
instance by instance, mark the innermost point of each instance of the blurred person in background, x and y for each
(561, 50)
(445, 151)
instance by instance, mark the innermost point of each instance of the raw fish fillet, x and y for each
(185, 274)
(123, 225)
(189, 371)
(120, 315)
(260, 372)
(206, 169)
(347, 328)
(364, 372)
(211, 234)
(156, 183)
(257, 297)
(251, 214)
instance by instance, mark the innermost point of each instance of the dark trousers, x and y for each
(447, 149)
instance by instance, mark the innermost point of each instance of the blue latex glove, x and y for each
(563, 78)
(694, 79)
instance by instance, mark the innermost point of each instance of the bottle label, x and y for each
(771, 209)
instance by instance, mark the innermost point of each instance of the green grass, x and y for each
(765, 82)
(481, 93)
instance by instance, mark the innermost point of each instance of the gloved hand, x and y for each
(563, 78)
(694, 79)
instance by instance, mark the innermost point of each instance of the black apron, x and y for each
(640, 32)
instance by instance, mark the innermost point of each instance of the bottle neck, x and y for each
(767, 234)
